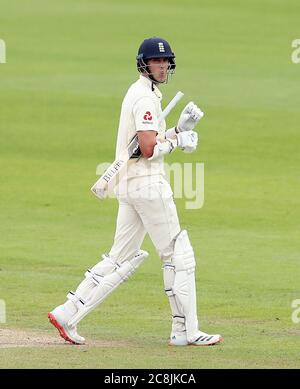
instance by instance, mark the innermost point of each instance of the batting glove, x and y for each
(187, 141)
(189, 117)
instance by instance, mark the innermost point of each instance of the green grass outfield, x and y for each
(69, 63)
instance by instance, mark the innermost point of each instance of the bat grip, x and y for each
(170, 106)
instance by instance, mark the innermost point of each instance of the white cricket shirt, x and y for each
(141, 108)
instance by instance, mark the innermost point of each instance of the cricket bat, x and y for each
(114, 171)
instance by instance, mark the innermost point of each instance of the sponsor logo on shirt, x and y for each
(148, 116)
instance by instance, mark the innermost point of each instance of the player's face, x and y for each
(158, 67)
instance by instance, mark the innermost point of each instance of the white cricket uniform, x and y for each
(145, 198)
(146, 205)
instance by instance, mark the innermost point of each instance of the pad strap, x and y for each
(75, 298)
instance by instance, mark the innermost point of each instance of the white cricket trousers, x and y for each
(149, 208)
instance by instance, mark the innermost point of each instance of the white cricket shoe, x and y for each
(178, 339)
(59, 317)
(206, 339)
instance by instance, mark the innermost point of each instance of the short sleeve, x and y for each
(145, 116)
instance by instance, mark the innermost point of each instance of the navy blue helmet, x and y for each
(155, 48)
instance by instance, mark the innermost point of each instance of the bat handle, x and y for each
(170, 106)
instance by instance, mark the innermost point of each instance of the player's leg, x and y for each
(115, 267)
(179, 275)
(157, 209)
(161, 222)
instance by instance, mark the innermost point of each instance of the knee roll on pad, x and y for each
(101, 269)
(183, 257)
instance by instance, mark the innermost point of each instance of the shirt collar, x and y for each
(146, 81)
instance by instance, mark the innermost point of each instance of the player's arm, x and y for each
(151, 147)
(182, 135)
(146, 124)
(147, 142)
